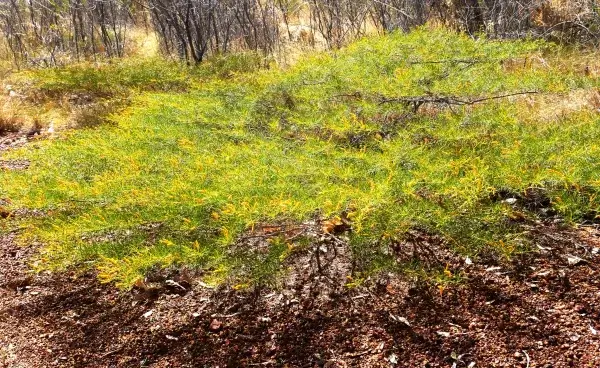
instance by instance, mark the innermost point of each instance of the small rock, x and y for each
(574, 260)
(149, 313)
(215, 325)
(510, 200)
(393, 359)
(404, 320)
(400, 319)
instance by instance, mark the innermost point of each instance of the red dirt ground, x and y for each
(540, 310)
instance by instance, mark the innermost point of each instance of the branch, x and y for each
(451, 61)
(417, 101)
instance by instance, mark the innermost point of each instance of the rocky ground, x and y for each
(9, 141)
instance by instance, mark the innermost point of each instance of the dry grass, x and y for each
(93, 114)
(10, 124)
(10, 119)
(142, 43)
(17, 114)
(553, 107)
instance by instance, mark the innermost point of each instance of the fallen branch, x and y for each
(451, 61)
(275, 230)
(418, 101)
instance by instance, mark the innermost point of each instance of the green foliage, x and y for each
(180, 176)
(112, 78)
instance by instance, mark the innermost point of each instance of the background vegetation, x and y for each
(51, 32)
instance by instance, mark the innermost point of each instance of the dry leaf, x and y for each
(337, 225)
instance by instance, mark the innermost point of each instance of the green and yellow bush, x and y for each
(194, 163)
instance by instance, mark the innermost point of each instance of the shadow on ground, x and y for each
(541, 310)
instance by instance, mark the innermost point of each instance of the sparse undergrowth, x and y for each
(86, 95)
(386, 136)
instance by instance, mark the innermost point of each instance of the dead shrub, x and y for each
(10, 124)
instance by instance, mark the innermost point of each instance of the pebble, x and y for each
(215, 325)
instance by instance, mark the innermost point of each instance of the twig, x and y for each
(355, 95)
(282, 229)
(318, 258)
(572, 24)
(359, 354)
(263, 363)
(216, 315)
(111, 352)
(395, 8)
(334, 238)
(526, 356)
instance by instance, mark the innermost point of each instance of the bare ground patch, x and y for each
(539, 310)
